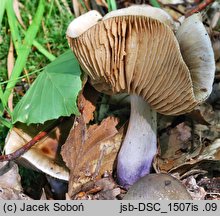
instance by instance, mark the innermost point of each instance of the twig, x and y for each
(27, 146)
(199, 7)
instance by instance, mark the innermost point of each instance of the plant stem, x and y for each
(140, 143)
(28, 145)
(12, 20)
(199, 7)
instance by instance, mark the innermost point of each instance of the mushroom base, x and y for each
(140, 144)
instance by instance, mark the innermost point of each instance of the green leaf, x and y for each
(53, 94)
(155, 3)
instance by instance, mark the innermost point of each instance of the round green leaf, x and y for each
(53, 94)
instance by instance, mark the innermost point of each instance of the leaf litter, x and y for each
(90, 150)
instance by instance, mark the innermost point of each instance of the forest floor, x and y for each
(188, 145)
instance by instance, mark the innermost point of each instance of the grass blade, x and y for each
(2, 10)
(3, 103)
(111, 5)
(12, 20)
(41, 49)
(25, 49)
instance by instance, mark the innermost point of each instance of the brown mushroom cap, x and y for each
(158, 186)
(137, 55)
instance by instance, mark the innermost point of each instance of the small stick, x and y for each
(199, 7)
(27, 146)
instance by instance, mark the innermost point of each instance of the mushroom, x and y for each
(43, 156)
(134, 50)
(157, 187)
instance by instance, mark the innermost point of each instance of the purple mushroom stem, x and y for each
(140, 144)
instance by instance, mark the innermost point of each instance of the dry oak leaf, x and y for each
(87, 108)
(89, 152)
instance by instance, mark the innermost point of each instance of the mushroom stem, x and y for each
(140, 143)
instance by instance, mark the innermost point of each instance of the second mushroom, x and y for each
(135, 50)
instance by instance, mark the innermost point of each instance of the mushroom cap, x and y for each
(198, 54)
(159, 186)
(139, 54)
(82, 23)
(44, 155)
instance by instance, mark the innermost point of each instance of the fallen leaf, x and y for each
(204, 114)
(12, 194)
(10, 66)
(9, 176)
(212, 185)
(10, 182)
(196, 192)
(16, 5)
(211, 151)
(203, 166)
(90, 150)
(177, 148)
(109, 189)
(174, 148)
(87, 108)
(179, 154)
(184, 132)
(76, 8)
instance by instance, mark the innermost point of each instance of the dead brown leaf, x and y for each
(173, 148)
(10, 185)
(12, 194)
(10, 66)
(90, 150)
(196, 192)
(16, 5)
(87, 108)
(76, 8)
(179, 152)
(9, 176)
